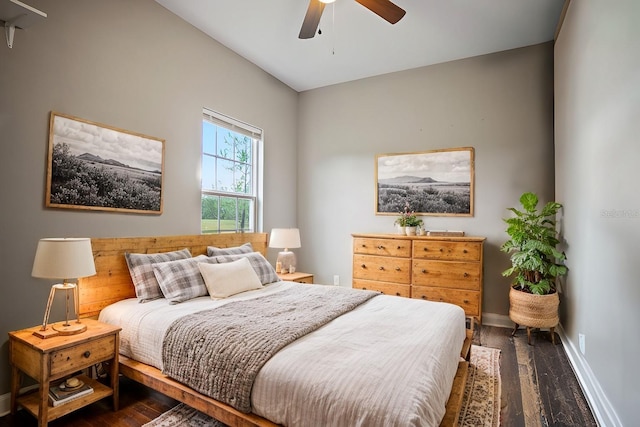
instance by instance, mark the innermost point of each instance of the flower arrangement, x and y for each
(408, 218)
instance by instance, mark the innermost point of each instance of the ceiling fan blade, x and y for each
(311, 19)
(384, 9)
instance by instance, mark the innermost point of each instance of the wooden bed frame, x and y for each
(113, 283)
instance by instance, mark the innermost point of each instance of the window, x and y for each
(229, 174)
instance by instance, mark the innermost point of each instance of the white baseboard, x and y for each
(603, 412)
(5, 403)
(601, 408)
(5, 399)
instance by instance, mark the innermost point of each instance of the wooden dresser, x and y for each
(445, 269)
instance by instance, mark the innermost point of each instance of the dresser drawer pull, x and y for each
(425, 249)
(380, 247)
(464, 251)
(364, 246)
(86, 354)
(423, 297)
(397, 268)
(466, 274)
(441, 249)
(424, 271)
(381, 268)
(397, 294)
(363, 265)
(399, 247)
(466, 301)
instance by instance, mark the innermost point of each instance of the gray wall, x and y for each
(597, 87)
(500, 104)
(135, 66)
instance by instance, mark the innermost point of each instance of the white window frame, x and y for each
(257, 134)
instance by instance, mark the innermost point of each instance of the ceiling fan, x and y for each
(383, 8)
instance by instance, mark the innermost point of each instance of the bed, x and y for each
(326, 370)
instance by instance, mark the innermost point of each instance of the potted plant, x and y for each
(408, 222)
(535, 265)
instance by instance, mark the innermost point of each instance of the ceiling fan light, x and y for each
(327, 1)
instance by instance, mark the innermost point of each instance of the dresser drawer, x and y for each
(384, 287)
(385, 269)
(383, 247)
(72, 359)
(447, 250)
(447, 274)
(468, 300)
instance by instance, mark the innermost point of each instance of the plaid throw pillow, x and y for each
(263, 269)
(141, 270)
(181, 280)
(236, 250)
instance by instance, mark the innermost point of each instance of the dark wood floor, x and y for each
(538, 389)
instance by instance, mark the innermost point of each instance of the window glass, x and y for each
(229, 181)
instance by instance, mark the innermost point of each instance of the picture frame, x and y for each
(93, 166)
(436, 182)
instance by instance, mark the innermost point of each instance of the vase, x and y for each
(410, 231)
(400, 229)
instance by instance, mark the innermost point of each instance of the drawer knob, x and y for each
(464, 251)
(86, 354)
(364, 246)
(466, 301)
(424, 271)
(381, 267)
(380, 247)
(363, 266)
(364, 289)
(399, 247)
(466, 274)
(425, 249)
(441, 249)
(397, 268)
(397, 294)
(423, 297)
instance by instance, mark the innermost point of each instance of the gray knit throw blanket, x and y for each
(219, 352)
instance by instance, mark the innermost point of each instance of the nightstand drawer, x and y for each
(74, 358)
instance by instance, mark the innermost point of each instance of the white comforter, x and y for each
(389, 362)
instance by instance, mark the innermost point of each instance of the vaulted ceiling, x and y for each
(355, 43)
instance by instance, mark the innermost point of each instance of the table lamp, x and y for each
(285, 238)
(65, 259)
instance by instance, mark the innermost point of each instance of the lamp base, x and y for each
(287, 258)
(64, 328)
(47, 333)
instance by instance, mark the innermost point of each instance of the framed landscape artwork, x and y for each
(99, 167)
(437, 182)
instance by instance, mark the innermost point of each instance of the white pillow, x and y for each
(230, 278)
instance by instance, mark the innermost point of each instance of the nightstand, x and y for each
(296, 277)
(58, 357)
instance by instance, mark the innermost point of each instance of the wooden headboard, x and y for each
(112, 281)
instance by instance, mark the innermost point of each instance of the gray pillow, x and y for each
(235, 250)
(263, 269)
(141, 270)
(181, 280)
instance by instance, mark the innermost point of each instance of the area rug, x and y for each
(480, 402)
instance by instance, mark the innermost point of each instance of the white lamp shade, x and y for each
(63, 258)
(284, 238)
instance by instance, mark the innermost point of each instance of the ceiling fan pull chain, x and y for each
(333, 28)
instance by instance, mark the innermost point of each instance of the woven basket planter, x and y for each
(535, 311)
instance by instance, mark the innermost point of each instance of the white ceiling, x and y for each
(355, 43)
